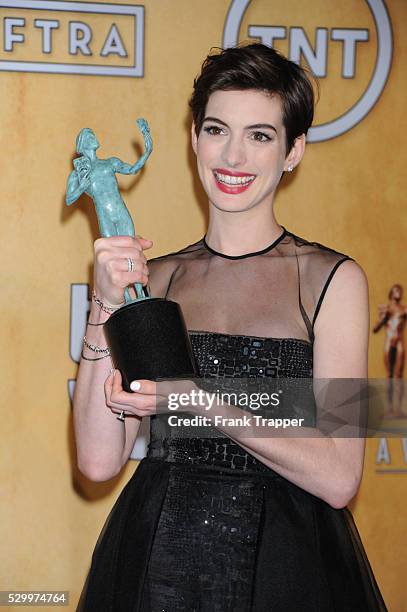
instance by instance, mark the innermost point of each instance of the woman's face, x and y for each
(241, 149)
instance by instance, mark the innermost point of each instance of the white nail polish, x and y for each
(135, 386)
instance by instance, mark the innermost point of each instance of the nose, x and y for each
(234, 153)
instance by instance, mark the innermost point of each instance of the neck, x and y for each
(242, 232)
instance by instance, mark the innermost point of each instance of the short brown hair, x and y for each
(256, 66)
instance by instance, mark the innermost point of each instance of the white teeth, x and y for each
(233, 180)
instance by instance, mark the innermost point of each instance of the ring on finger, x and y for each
(121, 417)
(130, 265)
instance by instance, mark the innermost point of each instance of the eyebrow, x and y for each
(256, 126)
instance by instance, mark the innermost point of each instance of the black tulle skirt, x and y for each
(188, 538)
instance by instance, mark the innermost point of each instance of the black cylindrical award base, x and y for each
(148, 339)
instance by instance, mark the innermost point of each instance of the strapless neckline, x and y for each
(273, 338)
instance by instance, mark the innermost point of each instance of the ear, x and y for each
(194, 138)
(296, 154)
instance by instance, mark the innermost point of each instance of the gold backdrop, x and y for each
(347, 194)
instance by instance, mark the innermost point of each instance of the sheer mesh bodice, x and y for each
(275, 293)
(248, 316)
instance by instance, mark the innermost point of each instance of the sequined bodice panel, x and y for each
(219, 357)
(230, 356)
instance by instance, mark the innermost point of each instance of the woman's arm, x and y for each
(103, 442)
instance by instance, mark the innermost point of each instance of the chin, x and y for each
(231, 205)
(237, 203)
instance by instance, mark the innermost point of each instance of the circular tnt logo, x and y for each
(349, 51)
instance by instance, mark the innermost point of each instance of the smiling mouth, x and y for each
(234, 180)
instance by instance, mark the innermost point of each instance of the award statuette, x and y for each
(147, 336)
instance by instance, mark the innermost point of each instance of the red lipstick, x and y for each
(230, 188)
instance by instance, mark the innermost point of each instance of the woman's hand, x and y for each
(148, 397)
(111, 270)
(142, 403)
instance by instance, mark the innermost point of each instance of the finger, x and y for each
(122, 242)
(147, 387)
(108, 386)
(133, 412)
(145, 242)
(124, 279)
(114, 388)
(119, 396)
(116, 241)
(122, 265)
(117, 384)
(137, 242)
(118, 400)
(133, 403)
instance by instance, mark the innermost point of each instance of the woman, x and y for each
(233, 523)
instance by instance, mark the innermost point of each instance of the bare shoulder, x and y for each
(347, 289)
(350, 272)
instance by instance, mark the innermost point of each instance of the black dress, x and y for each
(203, 526)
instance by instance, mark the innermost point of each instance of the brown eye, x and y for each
(213, 130)
(260, 137)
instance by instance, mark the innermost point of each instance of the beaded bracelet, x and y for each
(96, 349)
(102, 306)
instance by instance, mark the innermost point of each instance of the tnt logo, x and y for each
(349, 51)
(72, 37)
